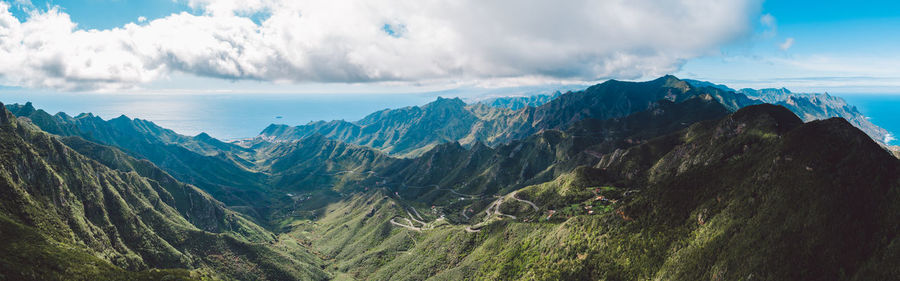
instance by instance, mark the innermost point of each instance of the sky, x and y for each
(812, 46)
(288, 46)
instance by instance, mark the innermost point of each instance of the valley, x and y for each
(666, 179)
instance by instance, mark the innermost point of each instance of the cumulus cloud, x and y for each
(350, 41)
(786, 44)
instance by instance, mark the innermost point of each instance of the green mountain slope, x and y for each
(755, 195)
(540, 157)
(219, 168)
(659, 180)
(30, 256)
(198, 207)
(808, 106)
(818, 106)
(318, 170)
(65, 201)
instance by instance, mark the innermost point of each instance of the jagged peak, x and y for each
(20, 109)
(122, 118)
(442, 102)
(668, 78)
(272, 128)
(28, 106)
(62, 115)
(6, 116)
(203, 136)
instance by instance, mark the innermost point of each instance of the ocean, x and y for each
(881, 109)
(234, 116)
(223, 116)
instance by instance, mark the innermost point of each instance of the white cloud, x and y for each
(786, 44)
(142, 19)
(346, 41)
(769, 25)
(767, 20)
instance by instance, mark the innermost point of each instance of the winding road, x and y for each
(526, 201)
(493, 210)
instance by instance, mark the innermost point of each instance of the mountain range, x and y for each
(410, 131)
(666, 179)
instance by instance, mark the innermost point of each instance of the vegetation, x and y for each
(69, 204)
(655, 180)
(685, 222)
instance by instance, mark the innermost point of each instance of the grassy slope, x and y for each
(28, 255)
(215, 167)
(737, 199)
(120, 217)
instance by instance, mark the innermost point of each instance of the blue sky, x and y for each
(105, 14)
(289, 46)
(837, 46)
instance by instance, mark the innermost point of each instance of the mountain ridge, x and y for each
(666, 213)
(809, 106)
(410, 131)
(121, 217)
(621, 181)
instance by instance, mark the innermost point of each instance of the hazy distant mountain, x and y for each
(818, 106)
(808, 106)
(518, 102)
(698, 83)
(621, 181)
(413, 130)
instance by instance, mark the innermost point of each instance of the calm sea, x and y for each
(881, 109)
(224, 116)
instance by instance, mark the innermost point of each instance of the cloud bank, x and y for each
(358, 41)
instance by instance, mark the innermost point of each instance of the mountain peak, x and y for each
(668, 77)
(778, 116)
(666, 81)
(121, 118)
(670, 81)
(442, 102)
(5, 115)
(21, 110)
